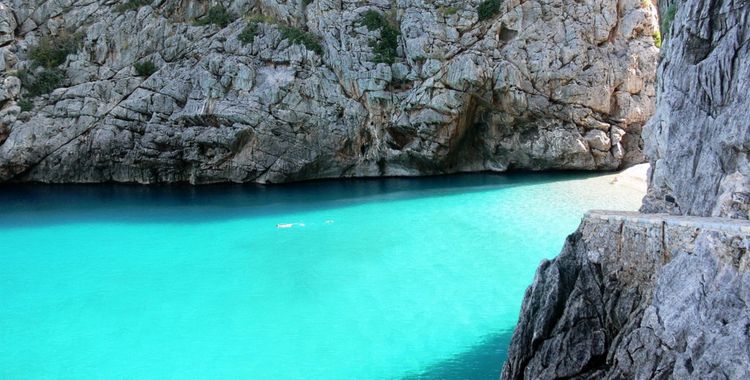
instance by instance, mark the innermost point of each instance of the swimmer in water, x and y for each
(284, 225)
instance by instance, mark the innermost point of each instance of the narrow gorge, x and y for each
(514, 109)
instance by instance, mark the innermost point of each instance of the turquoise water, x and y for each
(387, 279)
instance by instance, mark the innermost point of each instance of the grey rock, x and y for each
(643, 296)
(521, 90)
(598, 140)
(699, 138)
(639, 296)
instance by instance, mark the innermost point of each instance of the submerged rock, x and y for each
(294, 91)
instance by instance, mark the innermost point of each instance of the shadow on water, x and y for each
(43, 204)
(483, 361)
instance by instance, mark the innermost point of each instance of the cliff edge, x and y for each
(662, 294)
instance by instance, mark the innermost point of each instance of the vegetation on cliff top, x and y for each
(46, 56)
(217, 15)
(385, 47)
(26, 105)
(488, 9)
(52, 51)
(300, 37)
(42, 81)
(145, 69)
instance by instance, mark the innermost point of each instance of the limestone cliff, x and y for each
(699, 138)
(639, 296)
(275, 91)
(642, 296)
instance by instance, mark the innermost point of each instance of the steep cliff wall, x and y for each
(299, 90)
(641, 296)
(699, 138)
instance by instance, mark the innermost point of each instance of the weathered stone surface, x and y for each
(642, 296)
(521, 90)
(699, 138)
(639, 296)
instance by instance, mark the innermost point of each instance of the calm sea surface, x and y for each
(376, 279)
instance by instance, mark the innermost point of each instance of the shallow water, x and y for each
(387, 279)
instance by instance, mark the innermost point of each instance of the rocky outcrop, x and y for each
(642, 296)
(699, 138)
(639, 296)
(539, 84)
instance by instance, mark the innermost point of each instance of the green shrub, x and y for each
(217, 15)
(307, 2)
(247, 36)
(42, 82)
(666, 22)
(26, 105)
(385, 47)
(299, 37)
(145, 68)
(132, 5)
(52, 51)
(447, 11)
(488, 9)
(657, 39)
(372, 20)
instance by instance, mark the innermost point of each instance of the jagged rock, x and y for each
(638, 296)
(521, 90)
(598, 140)
(699, 138)
(642, 296)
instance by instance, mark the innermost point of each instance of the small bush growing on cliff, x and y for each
(42, 82)
(385, 47)
(145, 69)
(132, 5)
(657, 39)
(666, 22)
(372, 20)
(299, 37)
(448, 11)
(52, 51)
(488, 9)
(247, 36)
(217, 15)
(26, 105)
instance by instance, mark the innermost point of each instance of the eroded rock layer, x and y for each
(654, 296)
(699, 138)
(539, 84)
(639, 296)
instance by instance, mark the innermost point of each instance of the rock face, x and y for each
(642, 296)
(639, 296)
(539, 85)
(699, 138)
